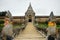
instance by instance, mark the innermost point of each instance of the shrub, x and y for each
(43, 25)
(1, 21)
(1, 24)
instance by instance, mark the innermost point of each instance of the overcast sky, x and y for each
(40, 7)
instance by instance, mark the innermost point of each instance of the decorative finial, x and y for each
(30, 3)
(51, 16)
(30, 7)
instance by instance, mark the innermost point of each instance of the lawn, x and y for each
(1, 24)
(45, 25)
(17, 26)
(42, 25)
(58, 26)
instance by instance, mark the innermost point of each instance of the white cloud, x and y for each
(41, 7)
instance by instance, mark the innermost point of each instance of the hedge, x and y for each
(1, 24)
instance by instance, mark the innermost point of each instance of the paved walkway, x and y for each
(30, 33)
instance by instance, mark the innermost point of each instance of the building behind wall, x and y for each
(29, 16)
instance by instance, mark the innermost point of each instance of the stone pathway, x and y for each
(30, 33)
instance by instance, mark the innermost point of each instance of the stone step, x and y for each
(30, 37)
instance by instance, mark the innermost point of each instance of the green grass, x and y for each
(17, 26)
(1, 26)
(41, 25)
(58, 26)
(44, 25)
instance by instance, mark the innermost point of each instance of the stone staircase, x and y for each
(30, 33)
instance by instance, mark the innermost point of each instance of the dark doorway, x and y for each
(30, 20)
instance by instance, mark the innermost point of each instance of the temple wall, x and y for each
(41, 19)
(18, 20)
(37, 19)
